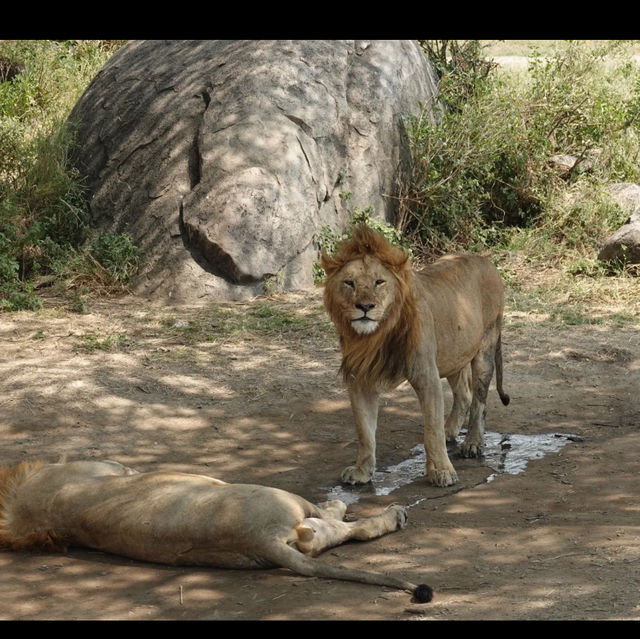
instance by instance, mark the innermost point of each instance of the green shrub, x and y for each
(327, 239)
(44, 223)
(582, 97)
(475, 167)
(117, 254)
(461, 67)
(18, 296)
(485, 167)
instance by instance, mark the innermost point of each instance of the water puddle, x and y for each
(505, 454)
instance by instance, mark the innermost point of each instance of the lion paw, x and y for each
(401, 515)
(305, 538)
(442, 478)
(334, 508)
(356, 475)
(471, 450)
(451, 433)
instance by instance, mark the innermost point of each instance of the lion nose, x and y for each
(365, 307)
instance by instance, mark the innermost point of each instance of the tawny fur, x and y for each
(395, 324)
(11, 478)
(183, 519)
(380, 356)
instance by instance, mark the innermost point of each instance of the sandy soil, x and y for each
(176, 388)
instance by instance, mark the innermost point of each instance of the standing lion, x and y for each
(396, 324)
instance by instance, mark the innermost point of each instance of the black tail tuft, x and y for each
(505, 399)
(423, 594)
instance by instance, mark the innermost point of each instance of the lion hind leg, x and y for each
(315, 535)
(482, 368)
(461, 387)
(19, 529)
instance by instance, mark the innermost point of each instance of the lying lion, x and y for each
(396, 324)
(178, 518)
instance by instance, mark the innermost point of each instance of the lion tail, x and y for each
(284, 555)
(504, 398)
(11, 480)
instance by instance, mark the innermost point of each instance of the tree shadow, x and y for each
(265, 405)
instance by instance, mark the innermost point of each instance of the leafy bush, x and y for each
(485, 168)
(328, 240)
(19, 298)
(461, 67)
(44, 222)
(117, 254)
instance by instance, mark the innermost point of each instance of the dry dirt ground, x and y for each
(250, 393)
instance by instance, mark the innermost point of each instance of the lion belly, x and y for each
(456, 301)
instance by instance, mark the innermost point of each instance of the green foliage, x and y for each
(80, 303)
(14, 294)
(44, 222)
(18, 298)
(327, 239)
(582, 97)
(484, 168)
(90, 343)
(579, 216)
(117, 254)
(461, 67)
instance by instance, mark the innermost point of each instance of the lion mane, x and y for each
(380, 357)
(11, 479)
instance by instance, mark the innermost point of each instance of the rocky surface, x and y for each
(623, 245)
(224, 158)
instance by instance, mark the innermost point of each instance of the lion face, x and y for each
(364, 290)
(368, 295)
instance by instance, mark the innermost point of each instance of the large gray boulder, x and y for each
(224, 158)
(623, 245)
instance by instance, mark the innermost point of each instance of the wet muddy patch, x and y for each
(504, 454)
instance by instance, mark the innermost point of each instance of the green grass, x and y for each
(44, 221)
(263, 319)
(544, 47)
(90, 343)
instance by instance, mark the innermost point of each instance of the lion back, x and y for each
(465, 283)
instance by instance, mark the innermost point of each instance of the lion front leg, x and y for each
(364, 404)
(440, 470)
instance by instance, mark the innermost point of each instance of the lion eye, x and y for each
(350, 283)
(379, 282)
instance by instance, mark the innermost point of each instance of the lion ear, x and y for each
(329, 265)
(401, 261)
